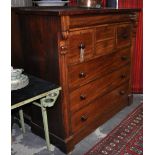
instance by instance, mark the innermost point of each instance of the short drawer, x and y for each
(123, 35)
(105, 39)
(104, 47)
(81, 96)
(85, 72)
(77, 40)
(100, 108)
(105, 32)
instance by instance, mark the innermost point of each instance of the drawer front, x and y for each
(82, 39)
(123, 35)
(87, 20)
(100, 108)
(105, 46)
(105, 32)
(85, 72)
(81, 97)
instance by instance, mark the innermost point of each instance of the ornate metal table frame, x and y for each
(47, 99)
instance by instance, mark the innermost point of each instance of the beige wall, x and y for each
(18, 3)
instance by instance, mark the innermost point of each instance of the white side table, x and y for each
(46, 92)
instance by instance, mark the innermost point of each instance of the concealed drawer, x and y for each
(101, 107)
(123, 35)
(85, 72)
(81, 96)
(88, 20)
(77, 40)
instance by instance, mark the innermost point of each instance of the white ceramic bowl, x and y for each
(16, 74)
(50, 3)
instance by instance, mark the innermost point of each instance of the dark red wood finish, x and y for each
(47, 45)
(137, 71)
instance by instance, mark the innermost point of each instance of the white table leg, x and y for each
(22, 120)
(48, 101)
(45, 122)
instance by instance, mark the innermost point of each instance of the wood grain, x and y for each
(97, 67)
(46, 45)
(81, 96)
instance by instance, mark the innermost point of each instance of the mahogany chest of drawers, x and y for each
(88, 52)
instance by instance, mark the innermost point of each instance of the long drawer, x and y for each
(87, 20)
(81, 96)
(85, 72)
(99, 108)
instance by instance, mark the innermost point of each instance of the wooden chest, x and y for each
(88, 52)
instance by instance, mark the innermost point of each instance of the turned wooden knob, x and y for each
(123, 76)
(125, 35)
(82, 74)
(82, 46)
(84, 117)
(124, 58)
(122, 92)
(82, 97)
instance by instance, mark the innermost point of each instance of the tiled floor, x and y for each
(30, 144)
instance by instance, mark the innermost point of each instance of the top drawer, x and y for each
(105, 39)
(80, 41)
(123, 35)
(88, 20)
(105, 32)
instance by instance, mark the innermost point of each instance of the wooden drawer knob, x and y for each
(82, 97)
(63, 48)
(122, 92)
(82, 74)
(82, 52)
(124, 58)
(123, 76)
(84, 118)
(125, 35)
(82, 46)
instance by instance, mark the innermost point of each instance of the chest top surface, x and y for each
(71, 10)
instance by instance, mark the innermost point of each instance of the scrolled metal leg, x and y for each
(22, 120)
(45, 122)
(48, 101)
